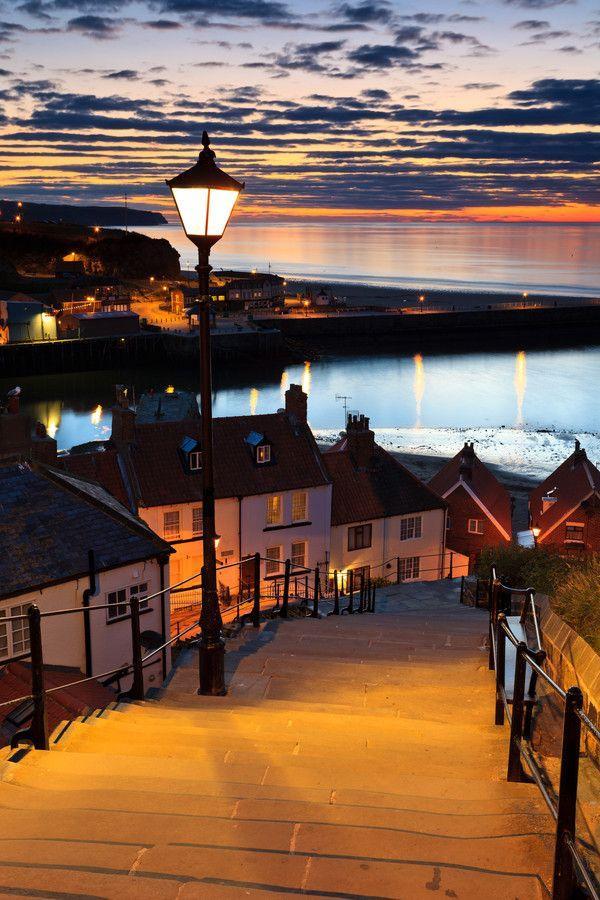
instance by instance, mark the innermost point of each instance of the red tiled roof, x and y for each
(385, 488)
(572, 483)
(15, 682)
(484, 484)
(101, 467)
(159, 476)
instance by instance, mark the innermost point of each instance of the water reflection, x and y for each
(285, 382)
(306, 378)
(419, 386)
(254, 394)
(96, 415)
(520, 383)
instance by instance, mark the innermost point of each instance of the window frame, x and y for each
(15, 632)
(129, 591)
(572, 529)
(174, 536)
(304, 516)
(195, 460)
(266, 450)
(197, 512)
(294, 556)
(272, 565)
(475, 530)
(270, 499)
(411, 528)
(353, 544)
(409, 568)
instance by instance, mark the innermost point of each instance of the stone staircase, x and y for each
(352, 757)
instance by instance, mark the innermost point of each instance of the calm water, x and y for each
(562, 259)
(522, 407)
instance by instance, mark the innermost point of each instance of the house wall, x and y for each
(386, 546)
(557, 539)
(462, 507)
(63, 636)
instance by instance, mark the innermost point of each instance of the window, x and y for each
(171, 525)
(475, 526)
(410, 528)
(274, 510)
(409, 568)
(273, 563)
(299, 506)
(359, 537)
(448, 522)
(14, 636)
(362, 572)
(197, 520)
(117, 600)
(574, 532)
(195, 460)
(298, 554)
(263, 454)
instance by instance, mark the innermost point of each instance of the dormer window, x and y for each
(261, 448)
(191, 454)
(263, 453)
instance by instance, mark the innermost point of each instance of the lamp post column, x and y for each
(212, 644)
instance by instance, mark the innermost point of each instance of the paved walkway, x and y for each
(352, 757)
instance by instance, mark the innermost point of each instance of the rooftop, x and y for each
(571, 484)
(166, 406)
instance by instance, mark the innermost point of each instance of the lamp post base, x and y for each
(212, 668)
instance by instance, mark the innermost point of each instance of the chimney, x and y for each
(466, 461)
(577, 446)
(296, 402)
(360, 440)
(13, 404)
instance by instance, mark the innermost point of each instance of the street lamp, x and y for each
(205, 197)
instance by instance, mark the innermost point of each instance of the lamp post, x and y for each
(205, 197)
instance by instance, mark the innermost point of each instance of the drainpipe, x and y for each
(162, 563)
(239, 500)
(89, 592)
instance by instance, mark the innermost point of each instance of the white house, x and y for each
(384, 521)
(66, 543)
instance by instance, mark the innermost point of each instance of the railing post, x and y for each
(306, 590)
(397, 570)
(38, 729)
(450, 575)
(493, 601)
(315, 611)
(286, 590)
(515, 768)
(564, 882)
(462, 589)
(336, 595)
(361, 596)
(373, 600)
(256, 604)
(500, 669)
(136, 692)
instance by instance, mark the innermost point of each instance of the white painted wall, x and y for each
(386, 545)
(63, 636)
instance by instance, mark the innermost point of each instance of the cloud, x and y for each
(366, 12)
(262, 10)
(537, 4)
(97, 27)
(163, 24)
(481, 85)
(532, 24)
(123, 74)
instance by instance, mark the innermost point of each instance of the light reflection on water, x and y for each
(550, 389)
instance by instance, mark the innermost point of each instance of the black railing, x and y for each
(572, 878)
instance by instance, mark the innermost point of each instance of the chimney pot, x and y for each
(361, 441)
(296, 402)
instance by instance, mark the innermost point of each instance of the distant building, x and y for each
(99, 324)
(564, 510)
(248, 287)
(384, 521)
(20, 436)
(70, 266)
(65, 543)
(24, 319)
(479, 507)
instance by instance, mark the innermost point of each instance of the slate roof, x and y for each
(15, 681)
(386, 488)
(49, 521)
(100, 466)
(572, 483)
(159, 477)
(482, 482)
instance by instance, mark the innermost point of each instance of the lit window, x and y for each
(475, 526)
(171, 530)
(274, 509)
(299, 554)
(359, 537)
(574, 532)
(273, 563)
(117, 600)
(410, 528)
(299, 506)
(408, 568)
(263, 453)
(195, 460)
(14, 636)
(197, 520)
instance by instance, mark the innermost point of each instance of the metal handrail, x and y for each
(570, 868)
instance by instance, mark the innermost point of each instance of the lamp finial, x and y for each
(206, 153)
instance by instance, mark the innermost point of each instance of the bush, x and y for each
(577, 599)
(522, 567)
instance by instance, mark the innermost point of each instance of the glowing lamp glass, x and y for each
(204, 212)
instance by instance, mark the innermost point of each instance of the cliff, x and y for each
(106, 216)
(37, 250)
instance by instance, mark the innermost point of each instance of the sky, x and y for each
(454, 109)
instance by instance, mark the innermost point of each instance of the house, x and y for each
(564, 511)
(66, 543)
(250, 288)
(384, 521)
(99, 324)
(479, 507)
(273, 494)
(24, 318)
(70, 266)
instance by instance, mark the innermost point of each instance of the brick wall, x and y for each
(590, 516)
(462, 507)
